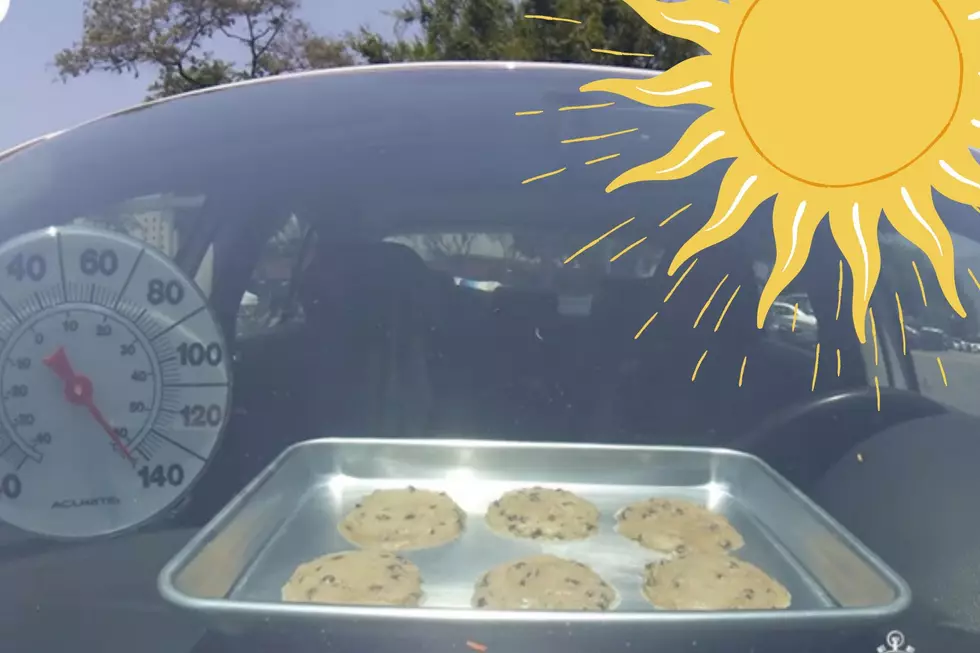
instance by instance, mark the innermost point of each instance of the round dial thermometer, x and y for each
(114, 382)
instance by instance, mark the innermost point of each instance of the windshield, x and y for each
(385, 272)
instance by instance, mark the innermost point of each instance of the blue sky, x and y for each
(34, 102)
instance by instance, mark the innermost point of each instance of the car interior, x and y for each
(478, 320)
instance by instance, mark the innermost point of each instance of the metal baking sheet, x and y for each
(232, 571)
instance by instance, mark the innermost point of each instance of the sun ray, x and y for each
(974, 277)
(740, 194)
(628, 248)
(816, 367)
(796, 312)
(838, 363)
(724, 311)
(553, 19)
(679, 280)
(901, 323)
(594, 242)
(698, 366)
(583, 107)
(617, 53)
(741, 372)
(601, 159)
(675, 214)
(702, 144)
(874, 333)
(922, 288)
(686, 83)
(942, 370)
(855, 231)
(599, 137)
(710, 299)
(914, 216)
(687, 20)
(878, 393)
(536, 112)
(645, 325)
(840, 287)
(960, 178)
(544, 176)
(793, 239)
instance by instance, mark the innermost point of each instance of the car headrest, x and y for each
(377, 274)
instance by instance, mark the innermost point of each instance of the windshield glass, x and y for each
(391, 273)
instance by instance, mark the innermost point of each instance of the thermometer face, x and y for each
(114, 382)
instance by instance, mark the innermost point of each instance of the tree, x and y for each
(177, 39)
(497, 29)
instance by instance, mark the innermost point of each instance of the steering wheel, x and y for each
(803, 441)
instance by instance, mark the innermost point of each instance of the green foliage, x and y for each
(175, 39)
(497, 29)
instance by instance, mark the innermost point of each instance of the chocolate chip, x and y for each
(310, 593)
(714, 528)
(675, 583)
(726, 544)
(411, 488)
(382, 517)
(537, 532)
(376, 588)
(410, 516)
(552, 517)
(520, 565)
(749, 593)
(481, 602)
(732, 564)
(573, 581)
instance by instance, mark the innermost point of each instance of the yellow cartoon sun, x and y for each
(840, 107)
